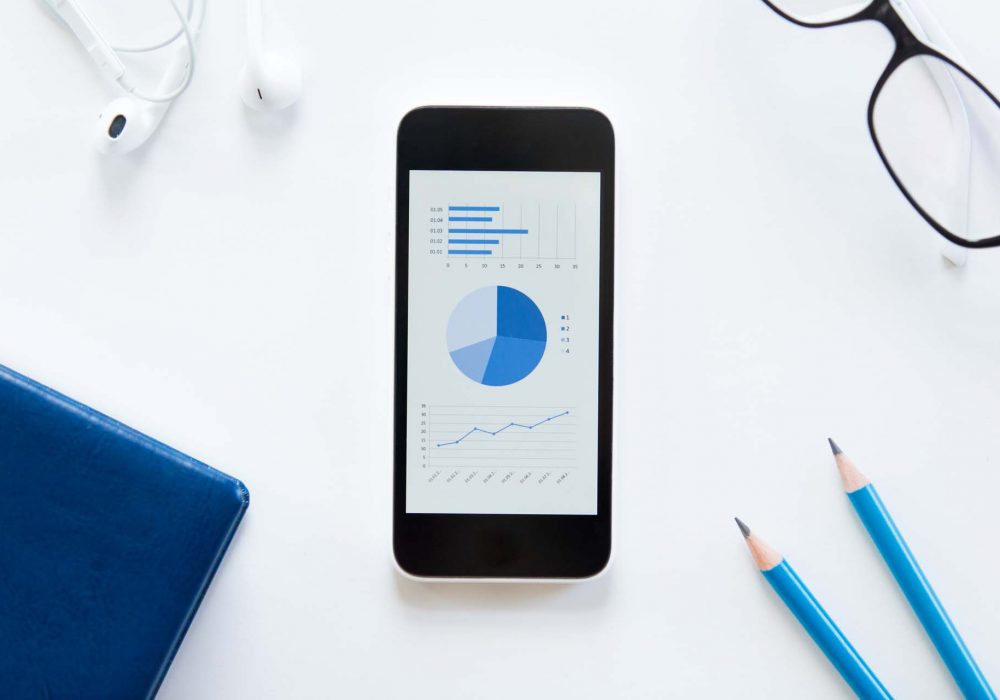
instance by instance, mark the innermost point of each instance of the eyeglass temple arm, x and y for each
(926, 27)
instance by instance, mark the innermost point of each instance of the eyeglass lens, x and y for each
(940, 133)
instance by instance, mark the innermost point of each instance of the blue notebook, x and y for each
(108, 541)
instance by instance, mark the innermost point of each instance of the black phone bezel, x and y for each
(505, 546)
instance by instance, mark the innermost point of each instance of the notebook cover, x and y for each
(108, 541)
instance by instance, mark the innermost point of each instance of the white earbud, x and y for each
(270, 80)
(128, 122)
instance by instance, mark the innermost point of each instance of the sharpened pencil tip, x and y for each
(743, 527)
(835, 447)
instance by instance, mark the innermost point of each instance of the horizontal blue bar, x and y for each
(473, 208)
(487, 241)
(488, 230)
(470, 252)
(470, 218)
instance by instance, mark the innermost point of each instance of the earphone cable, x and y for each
(188, 32)
(161, 44)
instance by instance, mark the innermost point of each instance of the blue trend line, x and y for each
(494, 433)
(473, 208)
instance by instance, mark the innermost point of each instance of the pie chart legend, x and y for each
(496, 336)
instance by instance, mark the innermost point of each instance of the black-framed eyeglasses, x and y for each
(935, 126)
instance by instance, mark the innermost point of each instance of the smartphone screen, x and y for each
(503, 342)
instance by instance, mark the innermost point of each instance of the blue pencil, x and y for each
(814, 618)
(911, 580)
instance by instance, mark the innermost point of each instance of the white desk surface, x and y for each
(229, 291)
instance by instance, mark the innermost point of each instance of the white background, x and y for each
(229, 291)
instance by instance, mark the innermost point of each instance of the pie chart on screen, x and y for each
(496, 336)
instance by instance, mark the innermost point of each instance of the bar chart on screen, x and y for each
(497, 230)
